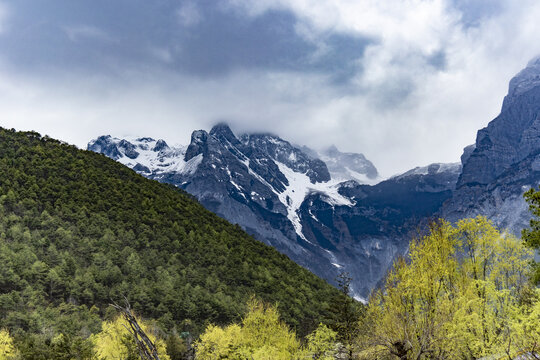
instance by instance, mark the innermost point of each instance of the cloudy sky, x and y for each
(406, 82)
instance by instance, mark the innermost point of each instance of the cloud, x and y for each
(86, 32)
(436, 72)
(405, 82)
(189, 14)
(3, 16)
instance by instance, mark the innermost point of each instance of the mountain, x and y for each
(319, 207)
(504, 162)
(79, 230)
(346, 166)
(365, 238)
(290, 198)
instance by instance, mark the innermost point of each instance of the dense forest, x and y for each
(79, 231)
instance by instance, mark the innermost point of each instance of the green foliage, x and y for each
(263, 336)
(260, 336)
(177, 348)
(78, 230)
(7, 349)
(115, 342)
(531, 236)
(321, 343)
(344, 316)
(460, 295)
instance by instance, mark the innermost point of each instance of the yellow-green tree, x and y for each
(526, 327)
(263, 336)
(7, 349)
(321, 343)
(115, 342)
(407, 319)
(493, 275)
(456, 296)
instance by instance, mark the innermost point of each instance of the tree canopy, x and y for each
(461, 294)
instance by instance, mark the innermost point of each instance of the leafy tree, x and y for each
(7, 349)
(115, 342)
(65, 347)
(177, 348)
(525, 328)
(531, 236)
(457, 296)
(321, 343)
(262, 335)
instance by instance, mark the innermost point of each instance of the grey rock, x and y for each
(504, 162)
(509, 138)
(106, 146)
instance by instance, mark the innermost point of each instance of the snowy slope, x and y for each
(146, 155)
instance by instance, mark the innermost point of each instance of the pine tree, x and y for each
(531, 236)
(345, 313)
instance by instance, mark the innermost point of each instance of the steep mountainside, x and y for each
(364, 239)
(505, 160)
(288, 197)
(78, 230)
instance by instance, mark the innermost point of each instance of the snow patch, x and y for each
(435, 168)
(361, 299)
(299, 187)
(167, 160)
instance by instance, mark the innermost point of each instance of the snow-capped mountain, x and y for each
(260, 168)
(146, 155)
(287, 197)
(346, 166)
(317, 207)
(349, 166)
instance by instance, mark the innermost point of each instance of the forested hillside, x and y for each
(79, 230)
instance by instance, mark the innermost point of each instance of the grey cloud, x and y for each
(78, 69)
(197, 38)
(474, 11)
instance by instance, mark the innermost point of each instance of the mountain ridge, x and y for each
(273, 189)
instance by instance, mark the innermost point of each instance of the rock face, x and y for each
(504, 161)
(289, 198)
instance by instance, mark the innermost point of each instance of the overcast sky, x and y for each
(406, 82)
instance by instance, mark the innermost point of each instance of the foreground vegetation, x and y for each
(78, 230)
(462, 293)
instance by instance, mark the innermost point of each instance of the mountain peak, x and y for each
(224, 134)
(221, 128)
(332, 149)
(197, 145)
(524, 81)
(349, 166)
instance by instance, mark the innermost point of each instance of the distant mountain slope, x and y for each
(365, 238)
(78, 230)
(349, 166)
(287, 197)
